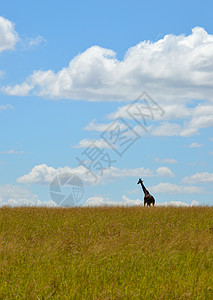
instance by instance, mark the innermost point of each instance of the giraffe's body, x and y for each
(148, 199)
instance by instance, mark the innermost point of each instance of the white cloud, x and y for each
(195, 203)
(166, 129)
(203, 109)
(15, 195)
(15, 191)
(8, 39)
(164, 172)
(203, 121)
(170, 188)
(170, 111)
(119, 130)
(8, 35)
(195, 145)
(187, 129)
(113, 172)
(101, 201)
(27, 202)
(92, 126)
(173, 203)
(18, 90)
(179, 203)
(139, 130)
(200, 116)
(92, 143)
(5, 107)
(166, 160)
(175, 67)
(201, 177)
(186, 132)
(130, 202)
(42, 174)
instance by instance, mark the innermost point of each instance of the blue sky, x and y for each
(69, 71)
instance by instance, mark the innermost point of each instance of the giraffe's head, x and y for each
(140, 181)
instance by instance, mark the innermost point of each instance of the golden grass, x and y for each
(106, 253)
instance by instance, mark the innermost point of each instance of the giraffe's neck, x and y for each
(146, 192)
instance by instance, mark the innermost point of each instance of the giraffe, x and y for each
(148, 199)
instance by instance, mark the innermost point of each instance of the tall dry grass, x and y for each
(106, 253)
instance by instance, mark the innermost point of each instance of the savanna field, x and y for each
(106, 253)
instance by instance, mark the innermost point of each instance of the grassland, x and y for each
(106, 253)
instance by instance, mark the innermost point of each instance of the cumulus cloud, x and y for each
(202, 116)
(203, 121)
(8, 39)
(179, 203)
(92, 126)
(175, 67)
(164, 172)
(15, 195)
(166, 129)
(27, 202)
(173, 129)
(129, 202)
(42, 174)
(166, 112)
(119, 135)
(101, 201)
(91, 143)
(113, 172)
(170, 188)
(18, 90)
(157, 120)
(8, 35)
(186, 120)
(202, 177)
(125, 201)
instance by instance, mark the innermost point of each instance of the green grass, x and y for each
(106, 253)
